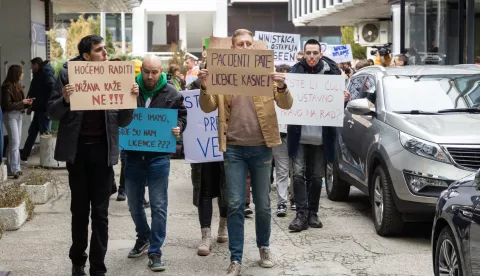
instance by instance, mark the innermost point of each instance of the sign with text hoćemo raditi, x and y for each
(102, 85)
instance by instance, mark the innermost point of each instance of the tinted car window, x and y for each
(356, 86)
(431, 93)
(369, 88)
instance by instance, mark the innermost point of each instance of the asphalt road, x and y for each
(346, 245)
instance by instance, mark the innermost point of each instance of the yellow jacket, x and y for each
(266, 114)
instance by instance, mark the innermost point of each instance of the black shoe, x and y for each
(281, 210)
(248, 211)
(139, 249)
(299, 223)
(314, 221)
(121, 196)
(78, 270)
(155, 262)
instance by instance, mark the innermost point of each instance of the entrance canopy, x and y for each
(86, 6)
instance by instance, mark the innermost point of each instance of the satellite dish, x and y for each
(370, 33)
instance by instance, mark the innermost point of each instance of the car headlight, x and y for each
(423, 148)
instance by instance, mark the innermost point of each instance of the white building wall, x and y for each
(139, 30)
(159, 28)
(38, 16)
(198, 27)
(179, 6)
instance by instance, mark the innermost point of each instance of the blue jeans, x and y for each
(154, 172)
(238, 161)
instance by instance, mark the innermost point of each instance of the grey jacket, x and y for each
(70, 123)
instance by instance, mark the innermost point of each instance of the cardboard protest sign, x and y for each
(318, 100)
(339, 53)
(150, 130)
(285, 46)
(200, 138)
(240, 72)
(226, 43)
(102, 85)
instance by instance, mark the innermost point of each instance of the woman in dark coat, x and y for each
(208, 181)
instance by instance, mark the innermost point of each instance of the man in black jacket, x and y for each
(88, 142)
(152, 168)
(40, 91)
(310, 147)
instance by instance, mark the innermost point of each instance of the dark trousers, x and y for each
(90, 179)
(40, 124)
(210, 188)
(308, 170)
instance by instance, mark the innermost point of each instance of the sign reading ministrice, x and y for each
(102, 85)
(285, 46)
(317, 100)
(150, 130)
(200, 138)
(240, 72)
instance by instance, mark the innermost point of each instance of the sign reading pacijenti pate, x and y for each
(240, 72)
(102, 85)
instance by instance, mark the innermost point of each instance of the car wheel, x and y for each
(447, 258)
(387, 219)
(337, 189)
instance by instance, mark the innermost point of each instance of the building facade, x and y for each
(429, 31)
(187, 22)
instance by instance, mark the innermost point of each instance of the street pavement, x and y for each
(346, 245)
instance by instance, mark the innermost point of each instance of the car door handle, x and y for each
(467, 214)
(351, 122)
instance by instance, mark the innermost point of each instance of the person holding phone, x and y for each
(13, 107)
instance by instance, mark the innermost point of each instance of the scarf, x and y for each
(146, 94)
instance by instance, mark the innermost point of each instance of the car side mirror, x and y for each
(361, 107)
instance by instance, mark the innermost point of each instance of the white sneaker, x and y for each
(234, 269)
(266, 258)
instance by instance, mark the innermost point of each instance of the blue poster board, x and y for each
(150, 130)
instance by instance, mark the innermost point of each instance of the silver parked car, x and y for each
(408, 133)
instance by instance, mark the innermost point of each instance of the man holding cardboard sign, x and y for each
(310, 146)
(88, 142)
(151, 165)
(247, 130)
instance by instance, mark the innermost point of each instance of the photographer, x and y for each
(382, 52)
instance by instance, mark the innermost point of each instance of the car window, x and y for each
(355, 87)
(369, 89)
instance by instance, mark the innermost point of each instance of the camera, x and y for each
(382, 50)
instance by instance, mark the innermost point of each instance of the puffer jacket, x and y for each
(266, 114)
(42, 86)
(71, 122)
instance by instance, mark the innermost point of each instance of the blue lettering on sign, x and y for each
(191, 101)
(150, 130)
(211, 142)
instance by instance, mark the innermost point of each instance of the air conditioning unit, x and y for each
(374, 33)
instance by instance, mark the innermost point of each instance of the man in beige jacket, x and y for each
(247, 131)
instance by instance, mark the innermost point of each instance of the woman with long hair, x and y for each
(13, 106)
(175, 77)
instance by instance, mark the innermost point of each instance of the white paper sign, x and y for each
(317, 100)
(200, 138)
(285, 46)
(190, 79)
(339, 53)
(282, 128)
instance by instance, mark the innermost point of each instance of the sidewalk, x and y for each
(347, 245)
